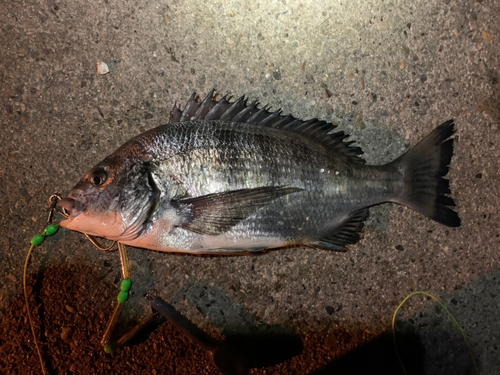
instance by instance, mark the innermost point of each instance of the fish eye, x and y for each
(98, 178)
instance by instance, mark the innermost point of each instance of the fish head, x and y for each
(114, 200)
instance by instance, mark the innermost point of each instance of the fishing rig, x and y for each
(51, 229)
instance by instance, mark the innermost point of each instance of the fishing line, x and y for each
(110, 346)
(36, 241)
(455, 322)
(98, 245)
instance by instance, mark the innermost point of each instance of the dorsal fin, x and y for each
(239, 111)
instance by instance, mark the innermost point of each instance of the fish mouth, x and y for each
(70, 208)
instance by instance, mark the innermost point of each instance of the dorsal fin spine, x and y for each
(241, 115)
(206, 103)
(187, 109)
(221, 105)
(255, 116)
(284, 120)
(269, 119)
(236, 104)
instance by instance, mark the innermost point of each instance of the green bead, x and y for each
(50, 230)
(122, 297)
(37, 239)
(125, 287)
(110, 348)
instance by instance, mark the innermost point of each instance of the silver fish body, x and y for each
(227, 177)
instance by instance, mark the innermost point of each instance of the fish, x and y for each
(229, 177)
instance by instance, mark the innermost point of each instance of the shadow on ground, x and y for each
(71, 306)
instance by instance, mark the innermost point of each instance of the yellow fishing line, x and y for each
(37, 240)
(447, 313)
(28, 310)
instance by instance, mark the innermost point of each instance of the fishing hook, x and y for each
(54, 198)
(98, 245)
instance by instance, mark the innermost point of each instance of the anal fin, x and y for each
(346, 233)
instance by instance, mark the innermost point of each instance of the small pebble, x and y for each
(487, 37)
(102, 68)
(66, 333)
(359, 122)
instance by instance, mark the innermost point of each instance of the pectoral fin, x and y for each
(217, 213)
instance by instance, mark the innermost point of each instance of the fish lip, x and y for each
(70, 207)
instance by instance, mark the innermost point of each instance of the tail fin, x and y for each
(424, 167)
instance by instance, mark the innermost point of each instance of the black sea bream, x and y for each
(225, 177)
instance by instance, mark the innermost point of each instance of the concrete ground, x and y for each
(386, 71)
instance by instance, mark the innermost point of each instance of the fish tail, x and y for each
(424, 167)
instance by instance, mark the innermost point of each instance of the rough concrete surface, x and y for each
(386, 71)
